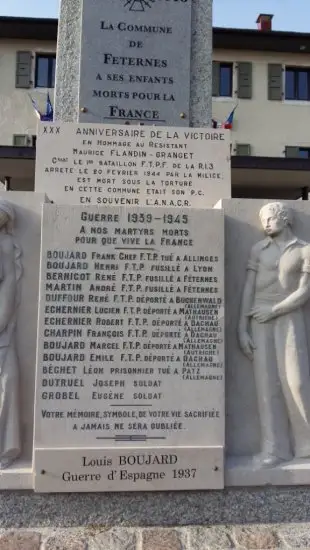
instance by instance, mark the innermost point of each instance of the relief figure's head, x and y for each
(7, 216)
(275, 217)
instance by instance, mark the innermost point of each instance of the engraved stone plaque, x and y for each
(133, 166)
(135, 61)
(130, 363)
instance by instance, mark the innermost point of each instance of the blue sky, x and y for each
(289, 14)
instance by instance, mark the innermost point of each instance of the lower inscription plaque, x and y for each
(130, 362)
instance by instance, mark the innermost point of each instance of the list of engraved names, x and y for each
(131, 322)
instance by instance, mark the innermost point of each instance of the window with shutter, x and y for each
(297, 152)
(243, 149)
(275, 83)
(245, 80)
(215, 78)
(21, 140)
(23, 69)
(297, 83)
(291, 152)
(222, 79)
(45, 70)
(304, 152)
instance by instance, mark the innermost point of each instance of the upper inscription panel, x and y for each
(122, 165)
(135, 61)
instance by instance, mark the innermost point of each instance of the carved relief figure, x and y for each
(272, 334)
(10, 278)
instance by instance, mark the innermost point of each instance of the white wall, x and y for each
(267, 125)
(16, 111)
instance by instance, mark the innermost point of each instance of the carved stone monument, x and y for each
(130, 348)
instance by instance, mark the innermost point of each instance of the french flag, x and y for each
(228, 124)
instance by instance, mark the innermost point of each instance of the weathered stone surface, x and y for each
(289, 536)
(284, 505)
(201, 68)
(210, 538)
(256, 538)
(20, 540)
(65, 541)
(66, 106)
(115, 539)
(161, 539)
(295, 535)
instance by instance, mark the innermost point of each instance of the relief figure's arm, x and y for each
(8, 283)
(247, 300)
(297, 299)
(245, 339)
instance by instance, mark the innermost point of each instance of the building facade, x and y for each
(27, 72)
(263, 74)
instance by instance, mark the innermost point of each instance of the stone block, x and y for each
(115, 539)
(201, 66)
(256, 538)
(161, 539)
(20, 540)
(295, 535)
(68, 61)
(210, 538)
(65, 541)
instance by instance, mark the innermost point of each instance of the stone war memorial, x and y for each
(155, 349)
